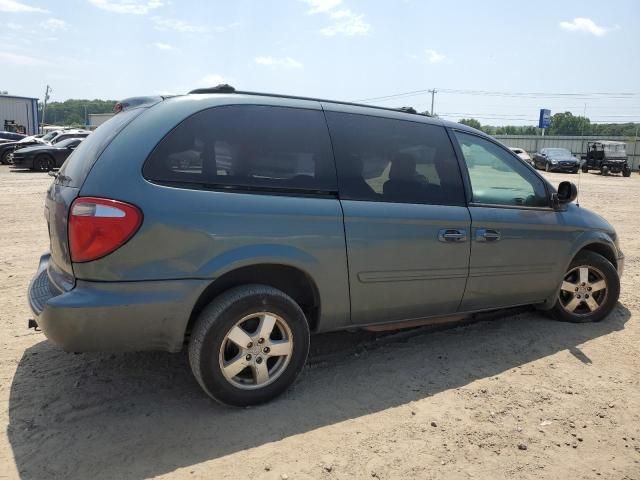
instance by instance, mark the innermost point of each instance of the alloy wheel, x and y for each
(583, 291)
(256, 351)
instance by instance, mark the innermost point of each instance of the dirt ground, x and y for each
(519, 396)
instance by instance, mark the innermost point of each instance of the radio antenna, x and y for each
(584, 121)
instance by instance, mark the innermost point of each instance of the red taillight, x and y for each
(98, 226)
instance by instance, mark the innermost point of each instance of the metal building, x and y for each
(18, 112)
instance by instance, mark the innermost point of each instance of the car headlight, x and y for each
(554, 162)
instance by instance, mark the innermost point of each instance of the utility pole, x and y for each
(44, 107)
(433, 92)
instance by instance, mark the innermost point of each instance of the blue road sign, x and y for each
(545, 118)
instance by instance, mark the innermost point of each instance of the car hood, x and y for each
(36, 148)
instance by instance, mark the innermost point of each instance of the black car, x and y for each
(50, 138)
(556, 160)
(44, 157)
(13, 136)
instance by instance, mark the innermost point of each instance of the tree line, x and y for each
(561, 124)
(74, 112)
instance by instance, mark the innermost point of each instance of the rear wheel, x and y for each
(249, 345)
(43, 163)
(5, 157)
(626, 172)
(585, 169)
(589, 291)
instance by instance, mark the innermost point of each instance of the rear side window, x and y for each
(77, 166)
(249, 147)
(389, 160)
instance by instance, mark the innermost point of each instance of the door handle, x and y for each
(487, 235)
(452, 235)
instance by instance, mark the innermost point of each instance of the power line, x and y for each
(532, 95)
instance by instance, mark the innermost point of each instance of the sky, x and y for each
(497, 61)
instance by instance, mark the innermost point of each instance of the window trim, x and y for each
(467, 177)
(465, 199)
(247, 189)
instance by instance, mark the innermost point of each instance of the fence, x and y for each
(577, 145)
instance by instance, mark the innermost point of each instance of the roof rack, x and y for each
(226, 88)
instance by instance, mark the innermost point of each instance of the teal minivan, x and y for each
(237, 224)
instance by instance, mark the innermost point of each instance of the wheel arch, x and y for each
(289, 279)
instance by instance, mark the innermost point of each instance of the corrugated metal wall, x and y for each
(577, 145)
(23, 111)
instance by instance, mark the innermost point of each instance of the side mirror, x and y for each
(567, 192)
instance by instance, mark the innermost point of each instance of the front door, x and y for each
(405, 218)
(519, 245)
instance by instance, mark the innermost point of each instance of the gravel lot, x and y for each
(518, 396)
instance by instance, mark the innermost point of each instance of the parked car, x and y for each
(321, 216)
(11, 136)
(556, 160)
(522, 153)
(606, 156)
(50, 138)
(44, 157)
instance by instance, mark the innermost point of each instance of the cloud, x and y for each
(585, 25)
(22, 60)
(213, 79)
(346, 23)
(225, 28)
(434, 56)
(54, 24)
(163, 46)
(285, 62)
(177, 25)
(133, 7)
(13, 6)
(319, 6)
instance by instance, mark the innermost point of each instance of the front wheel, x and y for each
(43, 163)
(589, 291)
(585, 169)
(605, 171)
(547, 168)
(4, 159)
(626, 172)
(249, 345)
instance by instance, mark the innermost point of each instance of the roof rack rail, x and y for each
(226, 88)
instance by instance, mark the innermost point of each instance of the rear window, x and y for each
(77, 166)
(247, 147)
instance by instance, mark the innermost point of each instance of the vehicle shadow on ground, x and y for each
(133, 416)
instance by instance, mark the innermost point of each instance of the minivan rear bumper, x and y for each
(114, 316)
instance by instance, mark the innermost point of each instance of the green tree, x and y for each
(72, 111)
(471, 122)
(568, 124)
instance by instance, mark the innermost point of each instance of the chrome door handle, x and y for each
(487, 235)
(452, 235)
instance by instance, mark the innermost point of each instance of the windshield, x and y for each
(49, 136)
(559, 152)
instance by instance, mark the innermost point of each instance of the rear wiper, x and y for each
(58, 176)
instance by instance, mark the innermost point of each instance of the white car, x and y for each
(522, 153)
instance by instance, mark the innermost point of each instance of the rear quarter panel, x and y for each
(201, 234)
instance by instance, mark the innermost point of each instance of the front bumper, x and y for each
(564, 168)
(21, 162)
(114, 316)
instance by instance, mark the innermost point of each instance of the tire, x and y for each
(4, 159)
(575, 171)
(604, 171)
(598, 269)
(585, 169)
(547, 168)
(43, 163)
(235, 310)
(626, 172)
